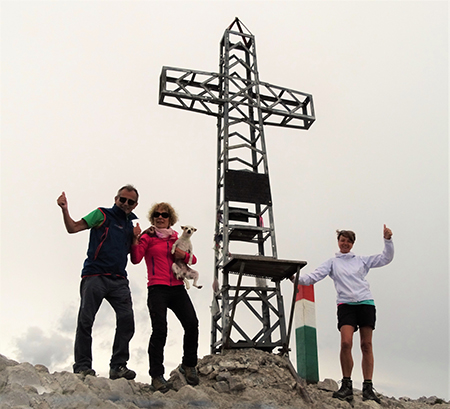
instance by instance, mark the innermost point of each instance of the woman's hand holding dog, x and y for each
(179, 254)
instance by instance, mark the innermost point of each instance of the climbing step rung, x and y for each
(246, 233)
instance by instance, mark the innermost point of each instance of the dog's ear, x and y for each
(183, 227)
(194, 229)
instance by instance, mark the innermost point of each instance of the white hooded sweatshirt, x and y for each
(348, 272)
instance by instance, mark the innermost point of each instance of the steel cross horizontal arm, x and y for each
(200, 91)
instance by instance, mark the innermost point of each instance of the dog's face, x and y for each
(188, 231)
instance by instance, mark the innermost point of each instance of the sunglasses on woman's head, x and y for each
(123, 200)
(165, 215)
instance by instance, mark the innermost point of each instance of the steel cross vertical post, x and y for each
(243, 105)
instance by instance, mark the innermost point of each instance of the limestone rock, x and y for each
(237, 379)
(328, 385)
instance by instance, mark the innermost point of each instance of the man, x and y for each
(104, 277)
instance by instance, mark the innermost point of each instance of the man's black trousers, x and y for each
(93, 290)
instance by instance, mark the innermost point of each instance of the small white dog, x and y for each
(182, 270)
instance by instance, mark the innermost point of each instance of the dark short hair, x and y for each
(347, 234)
(130, 188)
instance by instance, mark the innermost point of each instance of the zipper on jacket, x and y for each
(170, 263)
(102, 240)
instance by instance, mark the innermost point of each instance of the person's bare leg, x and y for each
(367, 352)
(346, 390)
(346, 350)
(367, 364)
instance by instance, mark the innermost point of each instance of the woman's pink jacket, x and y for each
(159, 259)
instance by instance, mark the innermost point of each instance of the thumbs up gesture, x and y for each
(136, 233)
(387, 233)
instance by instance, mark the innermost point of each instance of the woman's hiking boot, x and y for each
(160, 384)
(121, 372)
(190, 374)
(85, 372)
(346, 391)
(368, 392)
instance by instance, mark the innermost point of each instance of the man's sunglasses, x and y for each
(123, 200)
(165, 215)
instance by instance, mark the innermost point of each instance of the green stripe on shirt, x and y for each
(95, 218)
(365, 302)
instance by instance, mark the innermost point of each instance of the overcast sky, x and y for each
(80, 114)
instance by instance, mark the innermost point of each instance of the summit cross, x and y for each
(243, 105)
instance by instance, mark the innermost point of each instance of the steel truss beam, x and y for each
(199, 91)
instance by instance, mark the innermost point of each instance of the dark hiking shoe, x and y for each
(368, 392)
(345, 392)
(85, 372)
(190, 373)
(121, 372)
(160, 384)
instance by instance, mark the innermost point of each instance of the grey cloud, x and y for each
(67, 321)
(39, 348)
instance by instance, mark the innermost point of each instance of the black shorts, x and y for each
(357, 316)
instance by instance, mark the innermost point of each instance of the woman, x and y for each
(356, 308)
(165, 291)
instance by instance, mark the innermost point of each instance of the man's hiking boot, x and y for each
(85, 372)
(368, 392)
(190, 373)
(160, 384)
(121, 372)
(346, 391)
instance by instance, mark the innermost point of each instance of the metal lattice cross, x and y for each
(243, 105)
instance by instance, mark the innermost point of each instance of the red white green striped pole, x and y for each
(306, 334)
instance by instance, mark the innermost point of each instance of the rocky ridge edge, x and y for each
(237, 379)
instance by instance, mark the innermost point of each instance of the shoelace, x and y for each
(190, 370)
(372, 389)
(161, 379)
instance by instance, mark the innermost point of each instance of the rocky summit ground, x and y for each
(237, 379)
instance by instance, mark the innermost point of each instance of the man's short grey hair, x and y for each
(130, 188)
